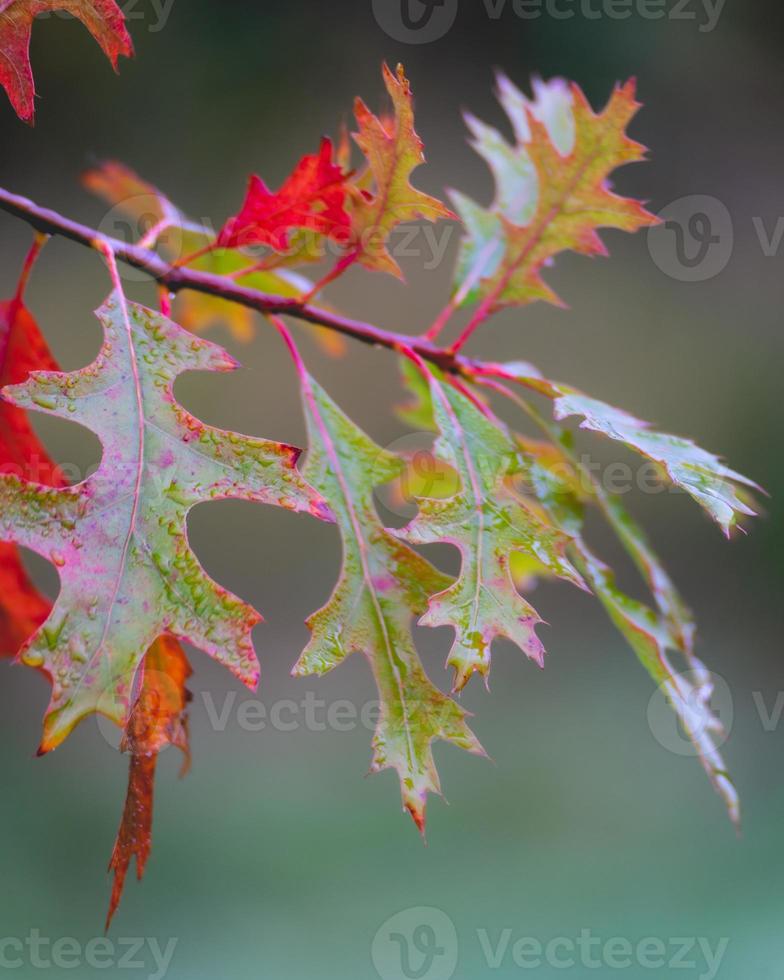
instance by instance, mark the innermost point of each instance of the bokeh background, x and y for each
(275, 858)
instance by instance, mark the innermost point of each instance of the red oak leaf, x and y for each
(311, 198)
(22, 350)
(22, 608)
(102, 18)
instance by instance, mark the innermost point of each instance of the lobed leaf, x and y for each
(23, 609)
(701, 474)
(179, 238)
(119, 539)
(489, 522)
(651, 635)
(650, 639)
(384, 196)
(119, 185)
(382, 585)
(312, 198)
(552, 191)
(516, 185)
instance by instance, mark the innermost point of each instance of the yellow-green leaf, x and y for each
(488, 521)
(383, 584)
(385, 196)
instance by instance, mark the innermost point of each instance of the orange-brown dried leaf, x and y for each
(158, 719)
(120, 186)
(383, 197)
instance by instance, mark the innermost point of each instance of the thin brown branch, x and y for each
(176, 278)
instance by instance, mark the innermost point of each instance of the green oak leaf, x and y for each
(688, 693)
(650, 634)
(557, 484)
(552, 192)
(488, 521)
(516, 184)
(119, 539)
(701, 474)
(383, 584)
(669, 601)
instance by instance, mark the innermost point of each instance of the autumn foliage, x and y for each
(132, 591)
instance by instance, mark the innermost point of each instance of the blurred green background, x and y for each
(275, 858)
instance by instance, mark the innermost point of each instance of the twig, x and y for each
(176, 278)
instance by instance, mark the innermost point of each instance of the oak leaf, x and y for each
(311, 198)
(721, 491)
(23, 609)
(103, 19)
(22, 350)
(119, 538)
(177, 238)
(384, 196)
(383, 584)
(488, 521)
(689, 694)
(552, 192)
